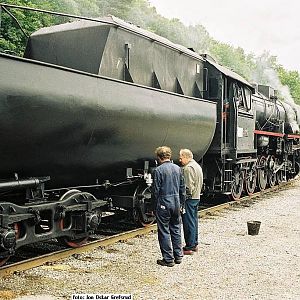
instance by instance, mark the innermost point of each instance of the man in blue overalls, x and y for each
(169, 194)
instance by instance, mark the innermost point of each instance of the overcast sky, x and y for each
(254, 25)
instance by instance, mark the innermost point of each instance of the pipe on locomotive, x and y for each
(24, 183)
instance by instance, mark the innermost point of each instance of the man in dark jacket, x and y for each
(169, 195)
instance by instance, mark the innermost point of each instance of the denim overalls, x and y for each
(169, 193)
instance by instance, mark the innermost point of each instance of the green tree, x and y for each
(292, 80)
(233, 58)
(12, 38)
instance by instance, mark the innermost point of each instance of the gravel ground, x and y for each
(230, 263)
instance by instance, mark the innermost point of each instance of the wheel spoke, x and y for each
(271, 171)
(280, 174)
(237, 184)
(250, 180)
(143, 212)
(262, 173)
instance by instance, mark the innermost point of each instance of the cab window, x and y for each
(247, 98)
(238, 95)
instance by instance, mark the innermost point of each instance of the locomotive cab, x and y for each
(232, 150)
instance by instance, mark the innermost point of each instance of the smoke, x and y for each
(193, 36)
(274, 82)
(284, 91)
(265, 73)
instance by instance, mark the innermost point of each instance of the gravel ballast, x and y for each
(230, 263)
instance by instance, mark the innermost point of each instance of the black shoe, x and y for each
(178, 260)
(164, 263)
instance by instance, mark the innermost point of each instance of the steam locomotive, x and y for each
(82, 112)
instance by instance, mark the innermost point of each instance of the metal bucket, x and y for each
(253, 227)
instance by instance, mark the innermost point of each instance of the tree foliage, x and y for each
(292, 80)
(262, 69)
(14, 34)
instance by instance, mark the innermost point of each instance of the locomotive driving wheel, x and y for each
(237, 183)
(262, 174)
(68, 241)
(17, 227)
(143, 214)
(250, 180)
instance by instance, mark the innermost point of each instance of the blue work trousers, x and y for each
(190, 223)
(169, 228)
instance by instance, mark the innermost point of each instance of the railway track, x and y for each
(109, 240)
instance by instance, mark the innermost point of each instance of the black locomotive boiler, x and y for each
(90, 101)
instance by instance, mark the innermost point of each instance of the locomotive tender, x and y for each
(95, 97)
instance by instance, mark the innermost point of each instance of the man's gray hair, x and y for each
(186, 153)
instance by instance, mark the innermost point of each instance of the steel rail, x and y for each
(245, 199)
(57, 255)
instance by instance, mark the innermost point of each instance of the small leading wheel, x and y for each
(250, 180)
(68, 241)
(237, 183)
(262, 174)
(143, 212)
